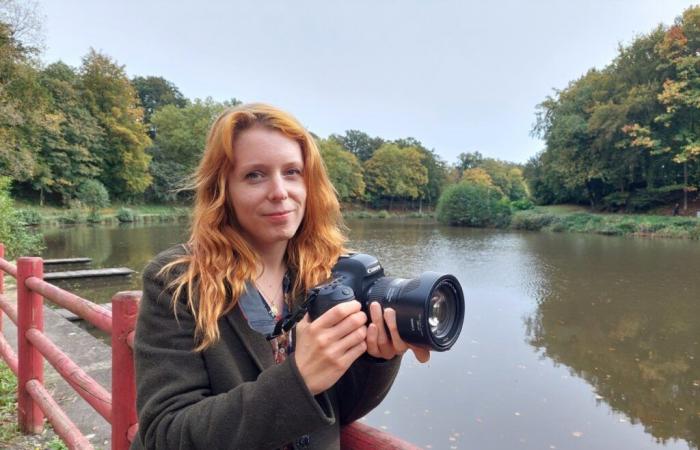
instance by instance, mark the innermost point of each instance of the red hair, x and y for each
(220, 261)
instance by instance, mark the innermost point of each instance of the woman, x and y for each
(265, 229)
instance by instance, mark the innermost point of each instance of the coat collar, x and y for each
(255, 343)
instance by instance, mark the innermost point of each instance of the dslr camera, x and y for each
(429, 308)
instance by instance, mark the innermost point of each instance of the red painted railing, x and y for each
(35, 403)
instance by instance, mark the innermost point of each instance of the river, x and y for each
(570, 341)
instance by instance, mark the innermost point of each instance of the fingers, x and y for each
(337, 313)
(390, 317)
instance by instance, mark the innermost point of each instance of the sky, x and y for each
(459, 76)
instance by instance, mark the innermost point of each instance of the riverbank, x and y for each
(578, 220)
(50, 215)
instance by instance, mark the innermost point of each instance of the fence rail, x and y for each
(34, 401)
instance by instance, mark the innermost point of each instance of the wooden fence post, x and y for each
(30, 314)
(2, 280)
(125, 307)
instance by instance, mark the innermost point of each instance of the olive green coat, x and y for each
(232, 395)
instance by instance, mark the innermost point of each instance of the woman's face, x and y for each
(267, 186)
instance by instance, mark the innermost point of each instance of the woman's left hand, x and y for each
(383, 345)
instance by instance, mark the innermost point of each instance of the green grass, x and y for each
(563, 219)
(52, 215)
(8, 405)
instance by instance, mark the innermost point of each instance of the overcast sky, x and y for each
(456, 75)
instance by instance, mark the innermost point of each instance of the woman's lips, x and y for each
(278, 216)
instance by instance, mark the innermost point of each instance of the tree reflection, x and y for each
(640, 354)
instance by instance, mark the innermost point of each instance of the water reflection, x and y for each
(623, 315)
(569, 341)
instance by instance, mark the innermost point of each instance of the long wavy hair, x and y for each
(219, 260)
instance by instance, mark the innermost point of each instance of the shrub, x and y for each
(473, 205)
(532, 221)
(383, 214)
(71, 217)
(29, 216)
(522, 204)
(126, 215)
(94, 216)
(17, 238)
(93, 194)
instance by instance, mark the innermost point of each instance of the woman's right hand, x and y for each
(326, 347)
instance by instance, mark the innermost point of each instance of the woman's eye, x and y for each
(253, 176)
(294, 171)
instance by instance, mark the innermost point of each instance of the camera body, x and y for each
(429, 308)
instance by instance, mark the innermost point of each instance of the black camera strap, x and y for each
(290, 320)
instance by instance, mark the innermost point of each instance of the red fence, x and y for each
(34, 403)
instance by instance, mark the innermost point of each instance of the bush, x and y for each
(94, 216)
(532, 221)
(473, 205)
(29, 216)
(522, 204)
(72, 216)
(126, 215)
(93, 194)
(17, 238)
(383, 214)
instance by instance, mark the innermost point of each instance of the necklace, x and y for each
(271, 301)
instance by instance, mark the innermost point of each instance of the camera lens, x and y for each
(429, 309)
(443, 309)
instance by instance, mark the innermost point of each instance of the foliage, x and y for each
(343, 169)
(29, 216)
(358, 143)
(93, 194)
(179, 142)
(17, 238)
(522, 204)
(155, 93)
(473, 205)
(126, 215)
(112, 100)
(395, 172)
(477, 175)
(616, 134)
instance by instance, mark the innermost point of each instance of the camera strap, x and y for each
(290, 320)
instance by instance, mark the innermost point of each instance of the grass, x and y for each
(563, 219)
(52, 215)
(10, 435)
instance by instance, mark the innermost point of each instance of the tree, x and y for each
(69, 145)
(436, 167)
(473, 205)
(113, 101)
(155, 93)
(178, 145)
(469, 160)
(94, 195)
(358, 143)
(479, 176)
(395, 172)
(344, 170)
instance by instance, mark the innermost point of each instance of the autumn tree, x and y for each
(155, 93)
(178, 145)
(112, 100)
(344, 170)
(395, 172)
(358, 143)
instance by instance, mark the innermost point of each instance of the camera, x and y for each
(429, 308)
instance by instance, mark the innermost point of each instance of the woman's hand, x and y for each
(326, 347)
(381, 345)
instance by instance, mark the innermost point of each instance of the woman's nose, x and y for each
(278, 189)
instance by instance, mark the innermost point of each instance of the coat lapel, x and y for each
(254, 342)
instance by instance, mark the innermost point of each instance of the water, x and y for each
(570, 341)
